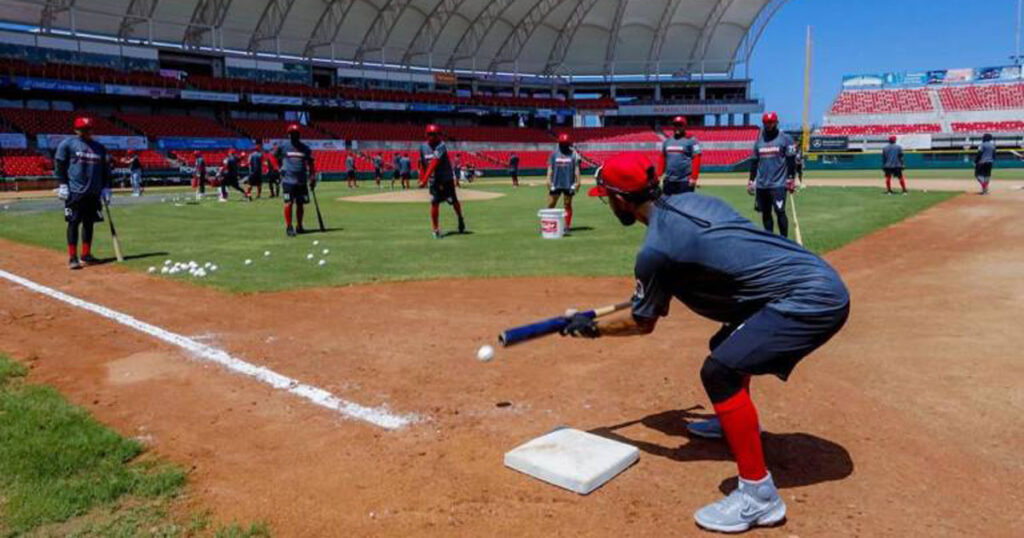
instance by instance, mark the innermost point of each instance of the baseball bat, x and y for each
(316, 204)
(796, 221)
(113, 233)
(531, 331)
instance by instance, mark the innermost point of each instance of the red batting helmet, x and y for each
(770, 118)
(892, 139)
(564, 138)
(433, 129)
(627, 173)
(294, 128)
(83, 123)
(679, 121)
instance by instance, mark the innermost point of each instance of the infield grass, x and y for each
(371, 242)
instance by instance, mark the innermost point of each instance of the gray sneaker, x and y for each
(752, 504)
(708, 429)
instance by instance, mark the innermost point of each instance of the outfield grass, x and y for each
(377, 242)
(64, 474)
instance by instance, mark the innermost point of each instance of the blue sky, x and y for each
(869, 36)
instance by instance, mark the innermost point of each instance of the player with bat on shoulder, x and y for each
(82, 168)
(776, 301)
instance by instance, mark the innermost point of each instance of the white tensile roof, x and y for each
(553, 37)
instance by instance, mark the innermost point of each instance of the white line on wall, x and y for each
(378, 416)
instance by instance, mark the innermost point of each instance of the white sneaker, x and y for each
(752, 504)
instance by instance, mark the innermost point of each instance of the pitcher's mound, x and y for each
(417, 196)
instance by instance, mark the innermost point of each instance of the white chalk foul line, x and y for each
(378, 416)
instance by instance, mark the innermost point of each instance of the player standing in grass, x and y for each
(135, 169)
(892, 165)
(680, 159)
(436, 171)
(983, 162)
(405, 170)
(298, 175)
(378, 169)
(273, 169)
(255, 178)
(513, 168)
(564, 176)
(199, 176)
(771, 173)
(229, 176)
(350, 170)
(396, 163)
(777, 302)
(83, 171)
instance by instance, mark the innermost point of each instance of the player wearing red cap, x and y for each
(83, 171)
(772, 173)
(298, 176)
(776, 301)
(680, 159)
(892, 165)
(436, 171)
(563, 176)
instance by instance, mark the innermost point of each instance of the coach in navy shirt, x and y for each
(777, 303)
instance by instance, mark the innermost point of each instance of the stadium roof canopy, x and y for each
(539, 37)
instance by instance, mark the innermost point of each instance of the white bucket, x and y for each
(552, 223)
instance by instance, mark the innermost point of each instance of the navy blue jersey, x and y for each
(134, 164)
(229, 168)
(82, 165)
(296, 163)
(350, 164)
(405, 165)
(699, 250)
(513, 162)
(256, 164)
(397, 162)
(771, 160)
(563, 169)
(986, 153)
(428, 155)
(892, 156)
(201, 166)
(378, 163)
(679, 154)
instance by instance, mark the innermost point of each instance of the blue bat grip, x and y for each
(518, 335)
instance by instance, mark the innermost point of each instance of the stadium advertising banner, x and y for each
(935, 76)
(194, 95)
(186, 143)
(13, 141)
(916, 142)
(830, 143)
(429, 107)
(863, 81)
(692, 109)
(260, 99)
(137, 91)
(26, 83)
(372, 105)
(51, 141)
(330, 145)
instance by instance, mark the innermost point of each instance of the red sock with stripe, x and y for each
(72, 251)
(288, 215)
(86, 249)
(739, 423)
(435, 211)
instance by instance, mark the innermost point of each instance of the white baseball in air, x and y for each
(323, 262)
(485, 354)
(248, 262)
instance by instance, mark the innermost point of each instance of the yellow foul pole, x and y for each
(806, 142)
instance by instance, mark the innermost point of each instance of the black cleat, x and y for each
(89, 259)
(300, 230)
(289, 231)
(462, 226)
(74, 264)
(437, 234)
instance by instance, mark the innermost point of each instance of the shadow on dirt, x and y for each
(795, 459)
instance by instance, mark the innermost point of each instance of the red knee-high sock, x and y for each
(903, 184)
(86, 248)
(435, 210)
(457, 206)
(888, 183)
(739, 422)
(300, 211)
(568, 217)
(72, 251)
(288, 215)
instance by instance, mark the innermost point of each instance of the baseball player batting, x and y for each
(83, 172)
(776, 302)
(680, 159)
(772, 173)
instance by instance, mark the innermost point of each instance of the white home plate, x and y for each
(572, 459)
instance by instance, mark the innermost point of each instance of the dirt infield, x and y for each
(417, 196)
(908, 424)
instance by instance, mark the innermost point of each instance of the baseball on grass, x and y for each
(485, 354)
(248, 262)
